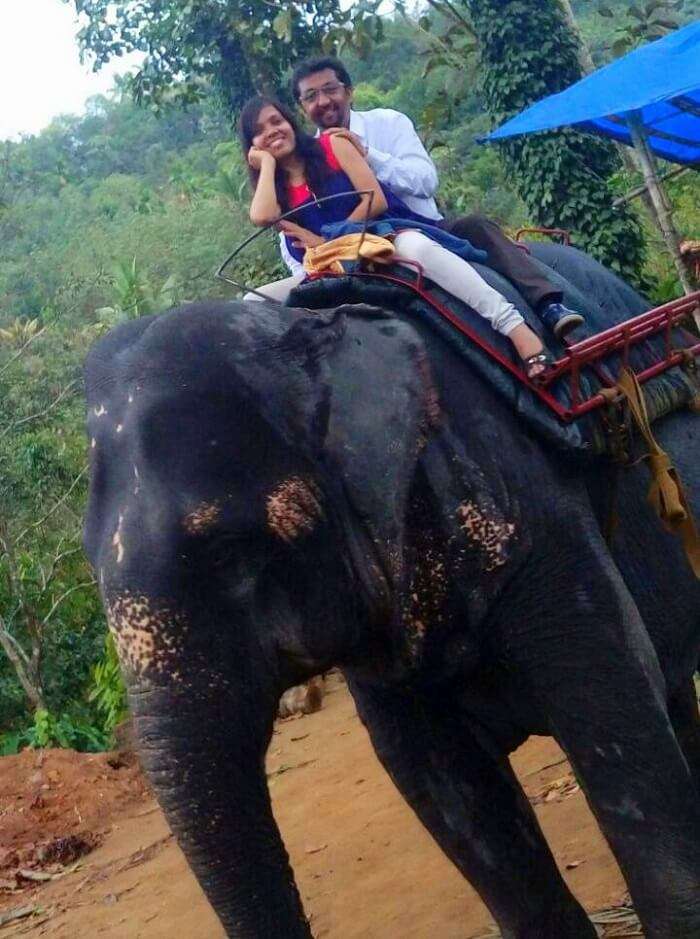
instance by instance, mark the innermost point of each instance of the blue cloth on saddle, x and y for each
(387, 224)
(602, 297)
(329, 218)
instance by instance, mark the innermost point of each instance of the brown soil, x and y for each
(365, 866)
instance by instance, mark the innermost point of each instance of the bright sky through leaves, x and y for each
(40, 71)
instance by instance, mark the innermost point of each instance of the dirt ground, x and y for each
(86, 852)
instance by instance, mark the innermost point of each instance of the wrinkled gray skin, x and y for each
(277, 492)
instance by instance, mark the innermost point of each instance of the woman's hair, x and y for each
(307, 147)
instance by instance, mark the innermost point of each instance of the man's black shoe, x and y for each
(560, 319)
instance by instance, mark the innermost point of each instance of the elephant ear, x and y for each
(379, 402)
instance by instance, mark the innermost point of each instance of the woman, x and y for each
(291, 169)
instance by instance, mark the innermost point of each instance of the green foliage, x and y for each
(600, 32)
(118, 214)
(48, 730)
(19, 331)
(95, 230)
(527, 52)
(644, 21)
(190, 46)
(107, 691)
(62, 245)
(134, 296)
(368, 96)
(48, 604)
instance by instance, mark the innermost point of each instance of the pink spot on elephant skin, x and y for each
(293, 508)
(202, 518)
(491, 535)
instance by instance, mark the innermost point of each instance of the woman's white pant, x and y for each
(458, 277)
(452, 273)
(278, 290)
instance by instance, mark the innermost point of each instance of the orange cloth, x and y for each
(327, 257)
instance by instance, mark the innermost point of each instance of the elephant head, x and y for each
(250, 468)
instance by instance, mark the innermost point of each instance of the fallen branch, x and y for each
(18, 913)
(286, 767)
(541, 769)
(37, 876)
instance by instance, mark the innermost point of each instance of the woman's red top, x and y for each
(300, 194)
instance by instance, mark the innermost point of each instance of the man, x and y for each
(389, 142)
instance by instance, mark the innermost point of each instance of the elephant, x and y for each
(275, 492)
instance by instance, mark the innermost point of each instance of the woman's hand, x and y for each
(256, 158)
(264, 208)
(302, 237)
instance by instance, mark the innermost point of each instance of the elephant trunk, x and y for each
(203, 748)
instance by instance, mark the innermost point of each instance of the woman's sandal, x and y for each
(536, 365)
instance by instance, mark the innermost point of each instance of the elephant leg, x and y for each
(685, 718)
(469, 800)
(580, 649)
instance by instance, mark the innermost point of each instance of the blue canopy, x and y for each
(661, 81)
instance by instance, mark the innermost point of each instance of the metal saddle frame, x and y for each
(587, 353)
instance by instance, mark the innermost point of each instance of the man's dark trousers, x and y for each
(505, 257)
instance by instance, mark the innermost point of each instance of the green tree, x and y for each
(49, 610)
(643, 22)
(238, 46)
(516, 52)
(527, 52)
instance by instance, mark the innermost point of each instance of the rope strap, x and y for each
(666, 493)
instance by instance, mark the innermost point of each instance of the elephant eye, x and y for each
(250, 550)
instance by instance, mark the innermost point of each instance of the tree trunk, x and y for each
(27, 676)
(584, 53)
(661, 210)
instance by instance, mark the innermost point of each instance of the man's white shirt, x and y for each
(398, 159)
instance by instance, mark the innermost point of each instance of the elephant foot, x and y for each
(569, 923)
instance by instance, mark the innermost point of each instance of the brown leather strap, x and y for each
(666, 492)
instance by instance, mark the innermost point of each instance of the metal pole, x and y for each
(588, 66)
(661, 210)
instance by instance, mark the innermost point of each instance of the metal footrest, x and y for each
(620, 339)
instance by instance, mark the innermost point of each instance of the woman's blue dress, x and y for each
(329, 218)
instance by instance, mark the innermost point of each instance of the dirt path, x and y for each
(365, 867)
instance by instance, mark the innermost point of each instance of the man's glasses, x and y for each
(329, 89)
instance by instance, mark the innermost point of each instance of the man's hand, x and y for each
(256, 158)
(351, 136)
(302, 237)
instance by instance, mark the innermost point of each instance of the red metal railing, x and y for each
(587, 353)
(620, 339)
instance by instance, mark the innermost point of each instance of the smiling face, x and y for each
(274, 133)
(325, 100)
